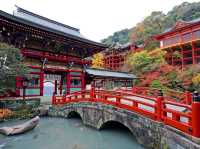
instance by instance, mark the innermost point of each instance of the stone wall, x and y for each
(149, 133)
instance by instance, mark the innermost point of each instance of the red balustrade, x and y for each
(183, 97)
(53, 57)
(181, 116)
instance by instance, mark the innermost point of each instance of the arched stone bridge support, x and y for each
(147, 132)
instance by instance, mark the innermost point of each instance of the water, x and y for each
(58, 133)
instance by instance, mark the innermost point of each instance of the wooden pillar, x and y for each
(56, 85)
(61, 82)
(182, 60)
(68, 83)
(193, 53)
(193, 49)
(196, 119)
(159, 107)
(18, 85)
(172, 60)
(83, 81)
(41, 83)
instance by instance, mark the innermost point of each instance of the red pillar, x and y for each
(53, 102)
(159, 108)
(182, 60)
(172, 60)
(92, 91)
(41, 83)
(18, 85)
(83, 81)
(193, 48)
(61, 85)
(56, 86)
(68, 78)
(193, 53)
(196, 119)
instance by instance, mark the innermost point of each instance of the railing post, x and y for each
(188, 97)
(160, 99)
(92, 93)
(195, 115)
(118, 101)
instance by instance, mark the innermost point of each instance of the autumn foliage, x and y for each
(5, 113)
(154, 71)
(98, 61)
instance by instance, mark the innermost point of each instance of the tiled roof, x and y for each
(50, 26)
(108, 73)
(35, 18)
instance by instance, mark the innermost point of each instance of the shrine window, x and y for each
(34, 80)
(76, 82)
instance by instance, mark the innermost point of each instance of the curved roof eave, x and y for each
(26, 22)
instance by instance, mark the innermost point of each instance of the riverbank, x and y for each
(13, 109)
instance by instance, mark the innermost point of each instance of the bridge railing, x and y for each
(182, 97)
(181, 116)
(177, 115)
(128, 101)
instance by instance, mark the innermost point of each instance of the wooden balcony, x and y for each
(53, 57)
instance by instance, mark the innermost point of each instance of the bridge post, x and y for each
(92, 91)
(196, 115)
(160, 99)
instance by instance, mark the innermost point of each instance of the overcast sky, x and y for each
(96, 19)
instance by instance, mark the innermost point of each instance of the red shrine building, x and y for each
(114, 58)
(182, 43)
(56, 54)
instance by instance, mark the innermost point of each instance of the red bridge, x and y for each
(175, 109)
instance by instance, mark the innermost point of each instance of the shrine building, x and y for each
(55, 53)
(182, 43)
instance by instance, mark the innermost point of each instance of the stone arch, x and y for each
(109, 123)
(113, 124)
(74, 114)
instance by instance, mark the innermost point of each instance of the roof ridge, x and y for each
(19, 9)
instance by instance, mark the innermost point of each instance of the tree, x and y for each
(11, 65)
(144, 61)
(98, 61)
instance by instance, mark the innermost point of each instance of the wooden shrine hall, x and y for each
(182, 43)
(54, 52)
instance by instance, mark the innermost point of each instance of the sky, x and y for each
(96, 19)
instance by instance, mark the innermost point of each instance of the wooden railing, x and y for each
(181, 116)
(177, 96)
(53, 57)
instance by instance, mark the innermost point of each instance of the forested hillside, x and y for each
(156, 23)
